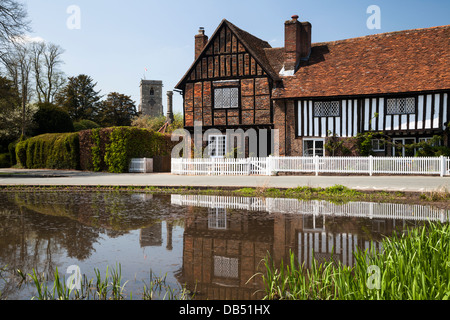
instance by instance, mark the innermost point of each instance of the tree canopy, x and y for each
(117, 110)
(79, 98)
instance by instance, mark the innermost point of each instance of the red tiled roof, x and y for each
(403, 61)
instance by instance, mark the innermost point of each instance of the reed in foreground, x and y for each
(412, 266)
(107, 287)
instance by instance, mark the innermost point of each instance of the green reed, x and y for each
(107, 287)
(412, 266)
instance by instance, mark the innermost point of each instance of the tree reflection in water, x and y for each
(212, 244)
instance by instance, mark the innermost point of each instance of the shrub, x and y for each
(50, 151)
(85, 125)
(51, 119)
(111, 149)
(5, 161)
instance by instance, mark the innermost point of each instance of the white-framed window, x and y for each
(326, 109)
(426, 139)
(217, 218)
(226, 97)
(400, 149)
(378, 145)
(217, 146)
(401, 106)
(313, 147)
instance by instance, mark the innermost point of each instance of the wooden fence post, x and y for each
(316, 164)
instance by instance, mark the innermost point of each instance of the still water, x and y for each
(212, 244)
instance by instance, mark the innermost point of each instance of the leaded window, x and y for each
(326, 109)
(401, 106)
(226, 97)
(226, 267)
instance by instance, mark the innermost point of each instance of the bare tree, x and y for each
(13, 21)
(48, 78)
(18, 62)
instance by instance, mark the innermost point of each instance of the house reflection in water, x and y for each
(223, 250)
(151, 236)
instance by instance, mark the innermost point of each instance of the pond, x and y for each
(211, 244)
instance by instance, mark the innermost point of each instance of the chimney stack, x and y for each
(200, 41)
(169, 117)
(297, 43)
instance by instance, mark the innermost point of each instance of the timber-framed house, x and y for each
(395, 83)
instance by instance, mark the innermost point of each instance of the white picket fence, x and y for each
(272, 165)
(316, 207)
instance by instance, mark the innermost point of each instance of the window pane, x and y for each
(401, 106)
(326, 109)
(226, 97)
(308, 148)
(234, 98)
(318, 149)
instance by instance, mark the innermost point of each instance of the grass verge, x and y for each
(336, 194)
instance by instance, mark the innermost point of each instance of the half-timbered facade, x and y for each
(394, 83)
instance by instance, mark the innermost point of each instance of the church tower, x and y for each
(151, 98)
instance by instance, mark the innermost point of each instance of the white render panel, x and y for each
(310, 118)
(316, 127)
(437, 98)
(344, 118)
(404, 121)
(300, 118)
(380, 114)
(355, 117)
(366, 114)
(428, 112)
(412, 121)
(373, 120)
(420, 124)
(445, 115)
(324, 127)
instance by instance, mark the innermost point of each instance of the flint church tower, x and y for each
(151, 98)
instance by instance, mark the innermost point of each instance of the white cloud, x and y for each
(27, 39)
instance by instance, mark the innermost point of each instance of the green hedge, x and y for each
(105, 149)
(111, 149)
(50, 151)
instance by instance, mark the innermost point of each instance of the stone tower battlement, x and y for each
(151, 98)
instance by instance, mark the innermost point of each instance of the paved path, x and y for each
(78, 178)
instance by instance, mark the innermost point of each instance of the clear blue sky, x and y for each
(119, 39)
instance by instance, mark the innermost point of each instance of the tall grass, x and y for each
(107, 287)
(413, 266)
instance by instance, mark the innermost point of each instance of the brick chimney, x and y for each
(297, 44)
(200, 41)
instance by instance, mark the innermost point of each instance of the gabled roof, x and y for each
(403, 61)
(252, 44)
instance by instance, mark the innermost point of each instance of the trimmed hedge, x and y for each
(111, 149)
(50, 151)
(106, 149)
